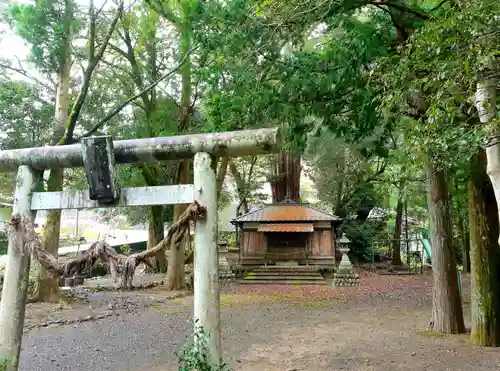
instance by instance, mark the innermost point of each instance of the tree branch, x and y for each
(111, 29)
(118, 50)
(402, 8)
(22, 72)
(221, 174)
(101, 8)
(92, 33)
(119, 108)
(136, 72)
(438, 6)
(161, 10)
(93, 61)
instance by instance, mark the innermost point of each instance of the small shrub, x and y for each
(328, 270)
(195, 357)
(4, 362)
(125, 249)
(240, 272)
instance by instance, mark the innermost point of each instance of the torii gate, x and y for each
(204, 147)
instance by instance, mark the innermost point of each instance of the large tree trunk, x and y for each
(466, 253)
(241, 188)
(396, 242)
(485, 256)
(46, 288)
(285, 182)
(486, 106)
(339, 209)
(221, 174)
(175, 271)
(465, 240)
(156, 233)
(447, 314)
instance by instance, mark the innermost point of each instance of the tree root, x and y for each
(122, 269)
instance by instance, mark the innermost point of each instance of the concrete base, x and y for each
(345, 279)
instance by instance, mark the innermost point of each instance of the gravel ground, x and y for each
(137, 341)
(377, 327)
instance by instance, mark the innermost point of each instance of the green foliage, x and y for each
(25, 120)
(125, 249)
(342, 174)
(45, 25)
(313, 81)
(229, 237)
(362, 235)
(438, 72)
(225, 199)
(4, 363)
(3, 247)
(194, 356)
(25, 116)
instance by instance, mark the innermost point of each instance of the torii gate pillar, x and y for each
(206, 268)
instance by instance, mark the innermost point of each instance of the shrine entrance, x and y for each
(287, 247)
(98, 155)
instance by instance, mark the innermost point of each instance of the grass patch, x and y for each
(157, 307)
(431, 334)
(65, 302)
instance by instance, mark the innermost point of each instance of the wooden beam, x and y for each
(149, 150)
(136, 196)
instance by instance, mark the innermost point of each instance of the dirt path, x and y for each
(380, 326)
(366, 340)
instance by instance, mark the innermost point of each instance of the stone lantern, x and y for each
(345, 263)
(345, 275)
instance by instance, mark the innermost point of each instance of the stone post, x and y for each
(225, 271)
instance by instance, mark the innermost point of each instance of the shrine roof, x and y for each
(286, 211)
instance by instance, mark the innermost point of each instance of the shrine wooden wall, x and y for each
(253, 246)
(321, 243)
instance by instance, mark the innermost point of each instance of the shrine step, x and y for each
(283, 282)
(285, 276)
(252, 277)
(279, 269)
(284, 273)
